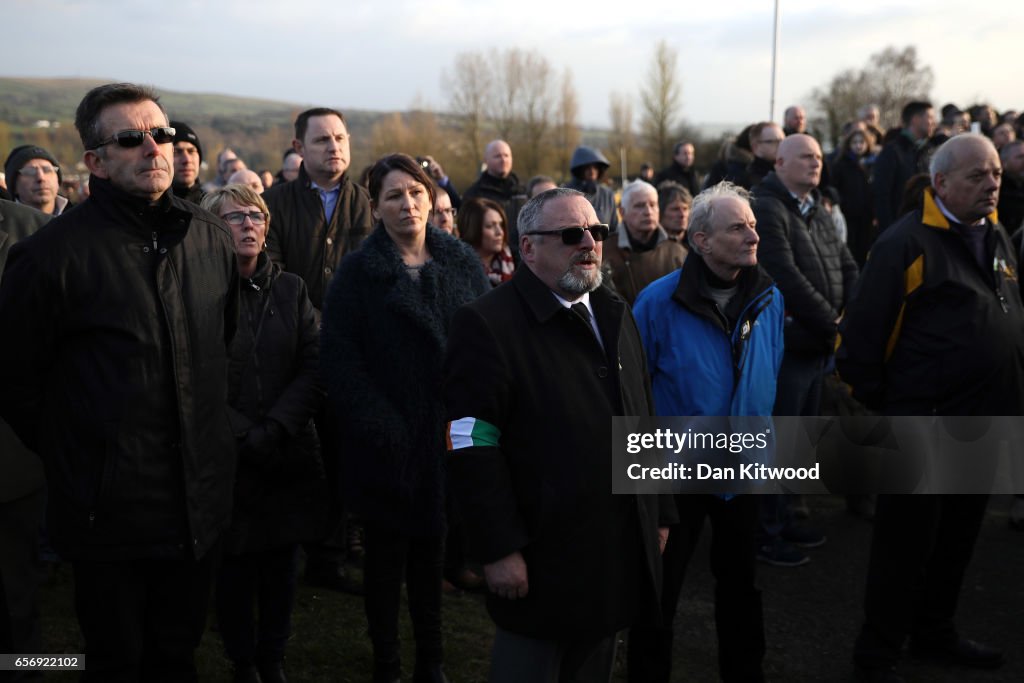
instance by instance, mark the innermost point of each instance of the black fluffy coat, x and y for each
(382, 343)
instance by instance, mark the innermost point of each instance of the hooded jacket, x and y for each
(600, 196)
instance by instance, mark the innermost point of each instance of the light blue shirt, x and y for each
(329, 198)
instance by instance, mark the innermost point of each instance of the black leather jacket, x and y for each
(119, 315)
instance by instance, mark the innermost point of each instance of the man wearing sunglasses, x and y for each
(534, 371)
(120, 314)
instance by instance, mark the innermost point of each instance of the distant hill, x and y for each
(23, 101)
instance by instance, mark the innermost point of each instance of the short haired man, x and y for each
(815, 272)
(681, 169)
(221, 177)
(588, 166)
(794, 120)
(34, 177)
(1011, 193)
(318, 218)
(567, 563)
(642, 252)
(442, 214)
(120, 314)
(499, 183)
(538, 184)
(899, 159)
(674, 204)
(910, 346)
(765, 138)
(188, 157)
(713, 335)
(871, 116)
(289, 167)
(321, 215)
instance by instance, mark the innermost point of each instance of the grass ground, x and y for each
(812, 614)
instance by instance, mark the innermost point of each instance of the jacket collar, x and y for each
(134, 211)
(693, 290)
(932, 216)
(622, 241)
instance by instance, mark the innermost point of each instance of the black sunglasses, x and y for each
(134, 138)
(574, 234)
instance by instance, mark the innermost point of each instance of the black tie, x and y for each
(583, 313)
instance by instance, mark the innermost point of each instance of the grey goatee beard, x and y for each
(580, 284)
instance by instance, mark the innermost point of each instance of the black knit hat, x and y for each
(20, 156)
(184, 133)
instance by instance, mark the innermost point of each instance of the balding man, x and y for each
(815, 273)
(794, 120)
(935, 327)
(500, 184)
(250, 179)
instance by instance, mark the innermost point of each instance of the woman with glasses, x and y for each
(484, 226)
(386, 320)
(280, 489)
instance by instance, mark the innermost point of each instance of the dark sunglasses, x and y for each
(574, 235)
(134, 138)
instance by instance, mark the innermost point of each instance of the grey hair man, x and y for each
(552, 338)
(120, 314)
(910, 348)
(643, 251)
(700, 366)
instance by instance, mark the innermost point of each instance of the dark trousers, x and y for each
(260, 581)
(391, 556)
(738, 618)
(142, 619)
(19, 566)
(919, 552)
(518, 658)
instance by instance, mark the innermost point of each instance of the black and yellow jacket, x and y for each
(931, 332)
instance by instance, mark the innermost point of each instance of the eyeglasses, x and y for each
(134, 138)
(34, 171)
(237, 218)
(574, 234)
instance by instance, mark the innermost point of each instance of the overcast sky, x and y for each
(386, 55)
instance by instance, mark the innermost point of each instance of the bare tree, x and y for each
(566, 118)
(620, 137)
(890, 79)
(660, 100)
(469, 88)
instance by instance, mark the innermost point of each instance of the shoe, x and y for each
(884, 674)
(781, 554)
(467, 580)
(1017, 514)
(962, 651)
(332, 576)
(246, 673)
(273, 673)
(803, 536)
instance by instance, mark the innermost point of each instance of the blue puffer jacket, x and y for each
(700, 363)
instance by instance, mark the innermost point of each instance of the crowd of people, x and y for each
(212, 388)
